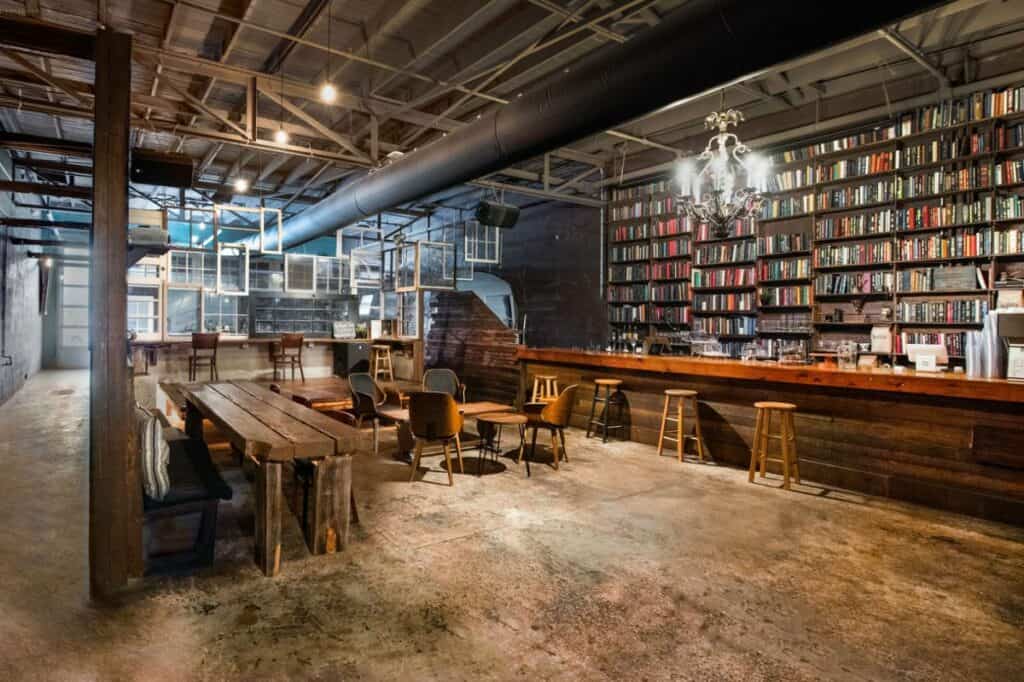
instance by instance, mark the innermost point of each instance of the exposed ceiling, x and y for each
(409, 71)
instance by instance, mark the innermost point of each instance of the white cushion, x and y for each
(154, 453)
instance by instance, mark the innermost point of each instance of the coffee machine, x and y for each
(1011, 331)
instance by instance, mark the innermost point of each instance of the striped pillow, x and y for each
(154, 453)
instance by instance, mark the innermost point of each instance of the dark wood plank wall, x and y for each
(552, 261)
(949, 454)
(467, 337)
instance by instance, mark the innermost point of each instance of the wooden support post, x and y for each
(250, 109)
(115, 487)
(268, 517)
(331, 514)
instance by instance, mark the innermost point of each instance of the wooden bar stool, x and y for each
(382, 362)
(611, 389)
(682, 396)
(545, 388)
(782, 413)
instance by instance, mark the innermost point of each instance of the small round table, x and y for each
(491, 422)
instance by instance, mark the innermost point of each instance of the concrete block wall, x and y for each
(22, 324)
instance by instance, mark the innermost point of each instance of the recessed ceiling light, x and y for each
(328, 93)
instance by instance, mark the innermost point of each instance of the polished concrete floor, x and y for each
(620, 566)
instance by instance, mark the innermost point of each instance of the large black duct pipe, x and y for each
(700, 46)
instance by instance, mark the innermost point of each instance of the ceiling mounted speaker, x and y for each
(157, 168)
(498, 215)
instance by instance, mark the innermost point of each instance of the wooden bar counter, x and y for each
(942, 440)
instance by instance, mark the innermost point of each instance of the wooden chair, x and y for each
(367, 396)
(545, 388)
(289, 352)
(786, 436)
(683, 396)
(382, 362)
(553, 416)
(204, 354)
(442, 380)
(434, 417)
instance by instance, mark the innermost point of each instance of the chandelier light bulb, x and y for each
(241, 185)
(328, 93)
(281, 136)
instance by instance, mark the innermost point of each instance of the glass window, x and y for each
(233, 262)
(144, 270)
(266, 274)
(226, 314)
(408, 319)
(144, 310)
(330, 275)
(406, 271)
(456, 236)
(483, 243)
(300, 272)
(437, 265)
(182, 311)
(194, 267)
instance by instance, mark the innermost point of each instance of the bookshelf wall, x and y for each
(913, 224)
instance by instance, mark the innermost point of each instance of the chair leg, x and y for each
(302, 375)
(696, 429)
(416, 459)
(522, 444)
(606, 413)
(554, 448)
(796, 458)
(680, 430)
(448, 463)
(755, 445)
(766, 429)
(593, 409)
(561, 437)
(536, 390)
(458, 451)
(533, 445)
(664, 419)
(784, 442)
(376, 436)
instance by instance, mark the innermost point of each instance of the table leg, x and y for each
(268, 517)
(331, 512)
(193, 422)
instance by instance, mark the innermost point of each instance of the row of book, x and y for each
(777, 244)
(860, 253)
(671, 269)
(791, 179)
(847, 283)
(631, 252)
(975, 107)
(630, 211)
(869, 164)
(639, 272)
(784, 323)
(855, 225)
(675, 292)
(1008, 242)
(723, 277)
(641, 191)
(963, 311)
(969, 178)
(729, 252)
(665, 205)
(632, 293)
(939, 150)
(669, 227)
(627, 313)
(786, 268)
(670, 314)
(727, 326)
(1009, 137)
(955, 342)
(955, 213)
(955, 244)
(672, 248)
(734, 302)
(1010, 172)
(858, 195)
(740, 228)
(785, 296)
(787, 207)
(1009, 208)
(936, 279)
(630, 232)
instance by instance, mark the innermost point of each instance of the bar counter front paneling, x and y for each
(942, 440)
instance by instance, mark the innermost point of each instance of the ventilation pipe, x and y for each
(703, 45)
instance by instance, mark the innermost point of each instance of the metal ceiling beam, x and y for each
(45, 145)
(44, 77)
(44, 190)
(575, 17)
(539, 193)
(316, 125)
(911, 50)
(300, 27)
(40, 36)
(31, 223)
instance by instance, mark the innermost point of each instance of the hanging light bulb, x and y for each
(241, 185)
(281, 136)
(328, 93)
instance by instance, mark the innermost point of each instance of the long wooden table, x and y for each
(272, 430)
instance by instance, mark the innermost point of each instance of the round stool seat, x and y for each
(545, 377)
(769, 405)
(380, 346)
(681, 393)
(608, 382)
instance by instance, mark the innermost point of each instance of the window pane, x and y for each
(76, 296)
(437, 265)
(182, 311)
(75, 275)
(407, 266)
(300, 272)
(74, 337)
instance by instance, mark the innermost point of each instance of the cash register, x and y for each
(1011, 331)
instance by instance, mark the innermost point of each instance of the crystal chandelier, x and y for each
(728, 185)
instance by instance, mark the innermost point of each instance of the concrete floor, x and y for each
(620, 566)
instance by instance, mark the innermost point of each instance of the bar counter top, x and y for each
(942, 384)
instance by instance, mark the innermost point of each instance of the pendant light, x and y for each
(328, 93)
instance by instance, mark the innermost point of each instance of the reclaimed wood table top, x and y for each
(469, 409)
(503, 418)
(269, 426)
(334, 389)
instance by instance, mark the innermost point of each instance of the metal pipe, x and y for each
(700, 46)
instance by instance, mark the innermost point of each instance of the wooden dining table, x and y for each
(271, 431)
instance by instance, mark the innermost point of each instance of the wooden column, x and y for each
(115, 489)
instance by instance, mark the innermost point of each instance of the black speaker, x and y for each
(498, 215)
(166, 170)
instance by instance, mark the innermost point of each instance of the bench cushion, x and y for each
(193, 476)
